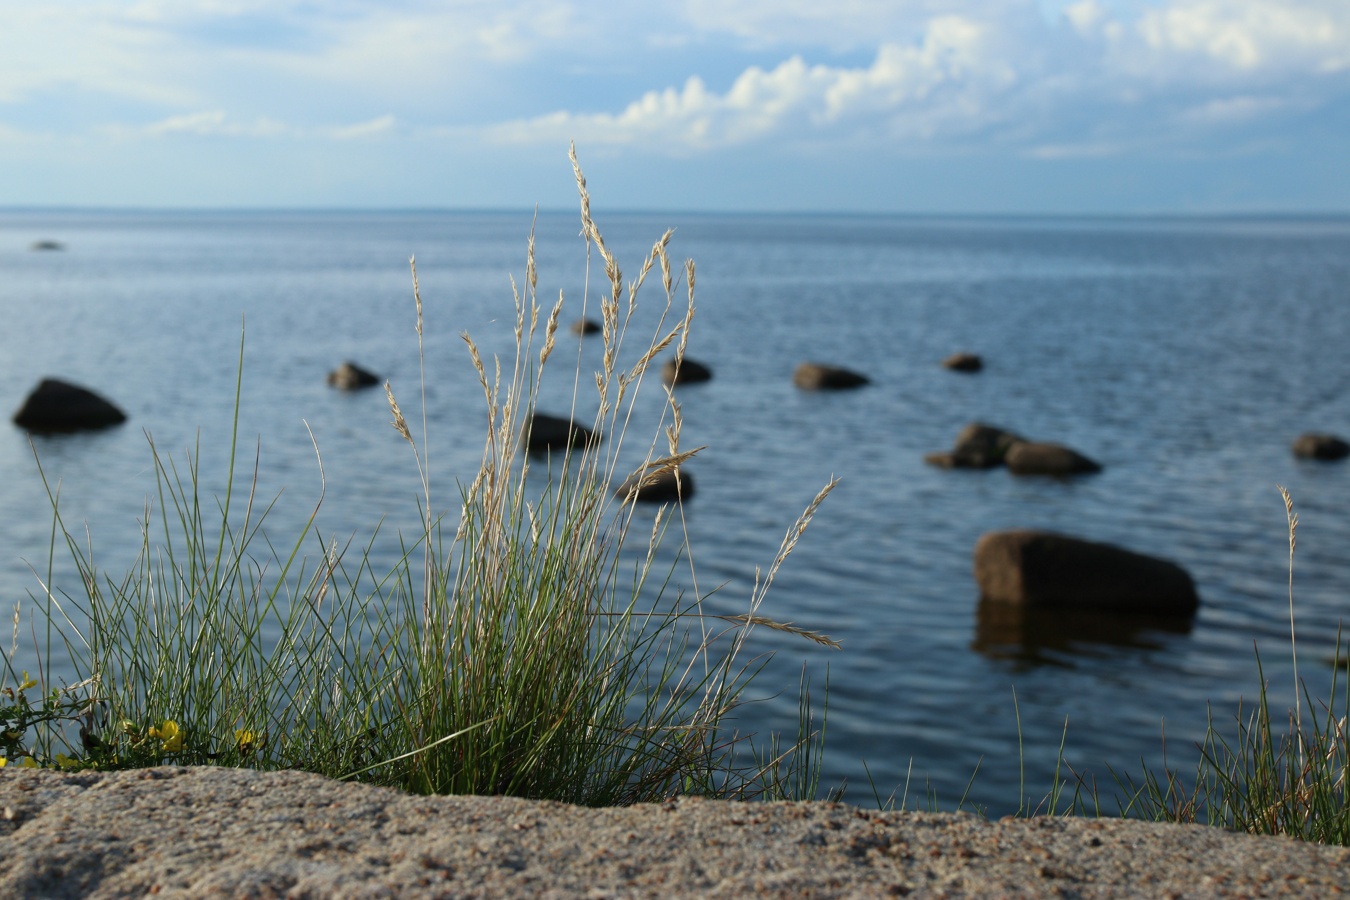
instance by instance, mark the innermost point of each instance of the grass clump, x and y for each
(535, 646)
(1268, 780)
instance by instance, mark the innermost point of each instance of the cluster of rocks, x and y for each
(981, 446)
(1031, 569)
(1040, 570)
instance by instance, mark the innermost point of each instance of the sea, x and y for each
(1183, 354)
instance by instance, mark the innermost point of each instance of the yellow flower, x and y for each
(29, 763)
(27, 682)
(245, 740)
(170, 734)
(66, 762)
(4, 761)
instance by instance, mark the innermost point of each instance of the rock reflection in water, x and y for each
(1039, 637)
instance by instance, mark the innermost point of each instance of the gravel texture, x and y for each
(214, 832)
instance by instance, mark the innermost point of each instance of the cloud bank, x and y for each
(690, 80)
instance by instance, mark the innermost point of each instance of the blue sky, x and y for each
(1023, 106)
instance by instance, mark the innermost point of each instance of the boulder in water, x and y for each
(687, 371)
(963, 362)
(1048, 570)
(813, 376)
(1321, 446)
(978, 446)
(545, 433)
(56, 406)
(663, 487)
(1038, 458)
(350, 377)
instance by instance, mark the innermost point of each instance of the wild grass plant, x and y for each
(1269, 779)
(536, 645)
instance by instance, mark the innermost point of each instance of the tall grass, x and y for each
(534, 645)
(1268, 779)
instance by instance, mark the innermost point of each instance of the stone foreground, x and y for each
(213, 832)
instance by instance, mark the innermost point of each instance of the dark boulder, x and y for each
(56, 405)
(662, 487)
(1036, 458)
(813, 376)
(1321, 446)
(545, 433)
(350, 377)
(978, 446)
(687, 372)
(586, 326)
(1047, 570)
(964, 362)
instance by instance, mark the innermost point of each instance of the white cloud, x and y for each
(1231, 110)
(1087, 150)
(1048, 77)
(1085, 16)
(375, 127)
(217, 123)
(214, 123)
(906, 91)
(1249, 35)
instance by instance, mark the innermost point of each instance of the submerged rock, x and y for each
(349, 377)
(586, 326)
(813, 376)
(1048, 570)
(56, 406)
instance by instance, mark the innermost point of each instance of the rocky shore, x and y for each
(213, 832)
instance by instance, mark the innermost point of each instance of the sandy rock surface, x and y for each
(212, 832)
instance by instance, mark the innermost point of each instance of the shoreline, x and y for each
(191, 832)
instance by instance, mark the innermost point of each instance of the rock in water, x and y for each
(1321, 446)
(667, 487)
(349, 377)
(814, 376)
(978, 446)
(1043, 569)
(963, 362)
(546, 433)
(1037, 458)
(56, 406)
(688, 372)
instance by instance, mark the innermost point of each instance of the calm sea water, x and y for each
(1184, 355)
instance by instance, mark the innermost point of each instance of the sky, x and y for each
(909, 106)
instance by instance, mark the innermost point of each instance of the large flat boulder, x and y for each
(226, 832)
(58, 406)
(1045, 569)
